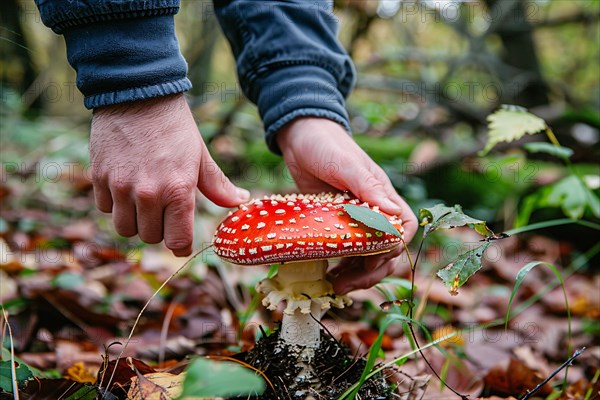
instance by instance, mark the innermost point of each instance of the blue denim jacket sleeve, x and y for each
(289, 60)
(122, 50)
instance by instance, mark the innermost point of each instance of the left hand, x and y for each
(322, 157)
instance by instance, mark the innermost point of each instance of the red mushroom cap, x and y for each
(299, 227)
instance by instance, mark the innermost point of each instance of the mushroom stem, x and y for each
(302, 329)
(307, 294)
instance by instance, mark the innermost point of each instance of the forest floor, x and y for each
(71, 291)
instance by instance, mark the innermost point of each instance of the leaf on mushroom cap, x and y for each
(299, 227)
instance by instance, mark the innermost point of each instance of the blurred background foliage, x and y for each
(429, 72)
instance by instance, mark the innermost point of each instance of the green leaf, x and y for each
(511, 123)
(371, 219)
(207, 378)
(87, 392)
(521, 277)
(455, 274)
(549, 148)
(23, 374)
(573, 196)
(443, 217)
(68, 280)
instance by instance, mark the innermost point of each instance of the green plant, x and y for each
(573, 193)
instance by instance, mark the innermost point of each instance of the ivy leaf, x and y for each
(549, 148)
(511, 123)
(207, 378)
(455, 274)
(371, 219)
(443, 217)
(23, 374)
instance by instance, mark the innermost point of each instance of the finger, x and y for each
(410, 224)
(103, 198)
(375, 189)
(149, 215)
(179, 222)
(102, 195)
(124, 212)
(213, 183)
(355, 277)
(377, 261)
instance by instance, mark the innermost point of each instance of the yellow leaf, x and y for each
(79, 373)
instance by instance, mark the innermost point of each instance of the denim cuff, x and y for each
(290, 92)
(126, 60)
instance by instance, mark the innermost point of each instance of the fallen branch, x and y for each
(567, 363)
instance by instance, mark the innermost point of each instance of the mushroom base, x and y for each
(335, 369)
(308, 295)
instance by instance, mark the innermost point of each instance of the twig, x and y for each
(413, 267)
(137, 320)
(164, 331)
(567, 363)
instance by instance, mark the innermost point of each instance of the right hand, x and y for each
(147, 160)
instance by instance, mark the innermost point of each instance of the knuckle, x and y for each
(146, 193)
(120, 187)
(178, 192)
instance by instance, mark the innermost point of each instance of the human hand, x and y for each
(321, 156)
(147, 160)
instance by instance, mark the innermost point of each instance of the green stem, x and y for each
(552, 137)
(554, 222)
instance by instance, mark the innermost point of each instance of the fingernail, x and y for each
(243, 194)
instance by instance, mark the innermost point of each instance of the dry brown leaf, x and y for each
(156, 386)
(124, 372)
(9, 261)
(368, 337)
(515, 378)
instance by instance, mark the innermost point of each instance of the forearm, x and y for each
(289, 60)
(122, 50)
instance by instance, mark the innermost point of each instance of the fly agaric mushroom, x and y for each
(301, 232)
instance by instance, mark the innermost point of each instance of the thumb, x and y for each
(213, 183)
(376, 189)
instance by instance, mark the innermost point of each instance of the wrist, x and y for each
(153, 108)
(308, 128)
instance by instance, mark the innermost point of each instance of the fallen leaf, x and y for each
(368, 337)
(123, 373)
(456, 340)
(79, 373)
(156, 386)
(515, 378)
